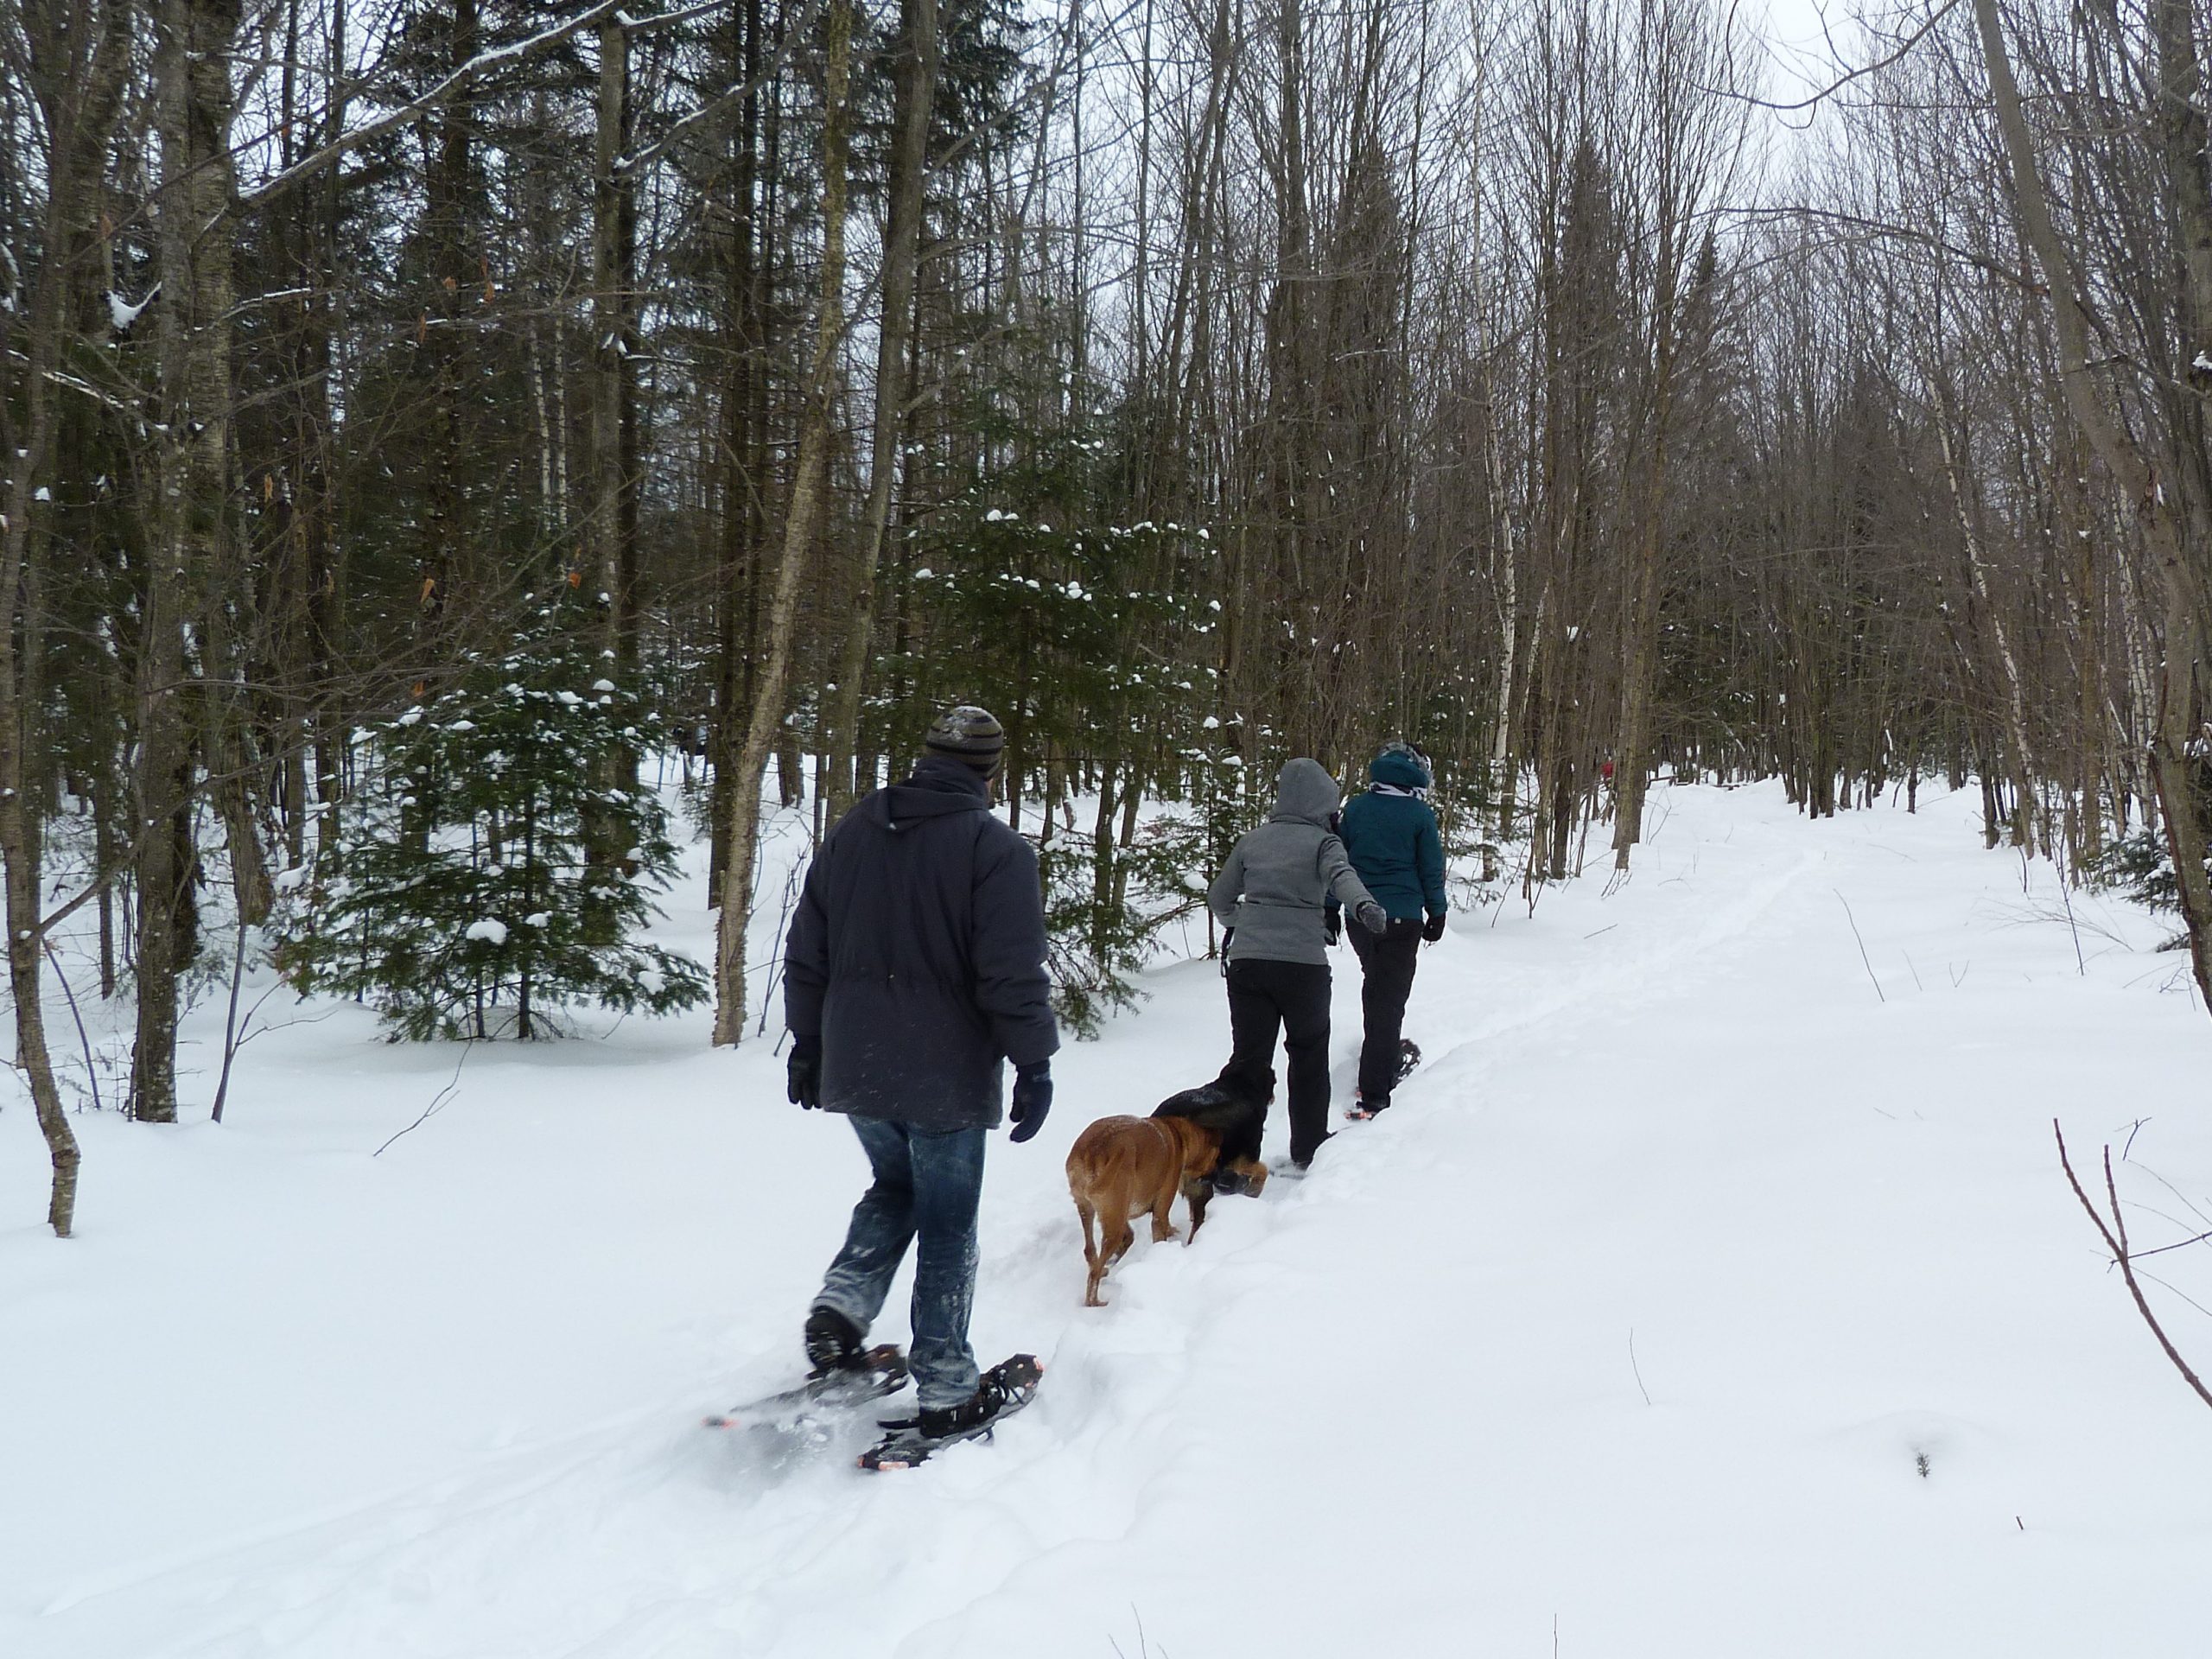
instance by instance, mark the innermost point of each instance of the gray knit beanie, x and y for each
(973, 734)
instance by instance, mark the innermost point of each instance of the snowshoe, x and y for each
(1361, 1110)
(869, 1374)
(1004, 1389)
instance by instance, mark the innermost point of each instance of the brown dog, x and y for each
(1122, 1167)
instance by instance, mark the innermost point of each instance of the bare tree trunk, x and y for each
(86, 51)
(1632, 764)
(614, 516)
(198, 187)
(799, 531)
(2016, 708)
(917, 74)
(737, 547)
(2169, 541)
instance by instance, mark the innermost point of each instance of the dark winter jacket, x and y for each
(1392, 840)
(1280, 876)
(916, 954)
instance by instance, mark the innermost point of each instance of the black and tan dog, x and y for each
(1124, 1167)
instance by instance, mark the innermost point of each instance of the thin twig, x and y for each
(2066, 898)
(230, 1024)
(1846, 79)
(92, 1074)
(461, 81)
(2115, 1238)
(1636, 1369)
(1863, 956)
(444, 1096)
(2181, 1244)
(783, 928)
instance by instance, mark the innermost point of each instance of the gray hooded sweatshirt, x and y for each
(1281, 876)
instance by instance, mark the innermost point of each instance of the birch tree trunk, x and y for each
(2024, 774)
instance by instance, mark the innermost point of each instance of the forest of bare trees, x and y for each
(1192, 382)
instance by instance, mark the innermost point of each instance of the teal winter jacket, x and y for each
(1392, 840)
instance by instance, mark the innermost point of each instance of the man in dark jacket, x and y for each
(914, 965)
(1276, 890)
(1390, 835)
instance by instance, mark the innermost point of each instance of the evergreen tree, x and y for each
(1081, 634)
(462, 901)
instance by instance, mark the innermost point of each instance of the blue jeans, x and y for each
(927, 1185)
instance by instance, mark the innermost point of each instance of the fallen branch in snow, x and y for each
(2114, 1234)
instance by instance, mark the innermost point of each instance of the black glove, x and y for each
(1374, 918)
(1332, 925)
(1432, 929)
(804, 1070)
(1033, 1098)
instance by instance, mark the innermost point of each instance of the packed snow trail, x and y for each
(1696, 1298)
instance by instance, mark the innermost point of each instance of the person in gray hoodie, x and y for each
(1273, 895)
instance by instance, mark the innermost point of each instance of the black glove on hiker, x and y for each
(804, 1070)
(1332, 925)
(1033, 1098)
(1374, 918)
(1432, 929)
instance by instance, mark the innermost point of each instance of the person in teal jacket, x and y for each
(1390, 835)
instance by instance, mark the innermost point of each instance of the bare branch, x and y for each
(2115, 1238)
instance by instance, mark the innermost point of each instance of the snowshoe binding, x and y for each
(845, 1375)
(1004, 1389)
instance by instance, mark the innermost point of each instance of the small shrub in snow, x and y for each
(2141, 866)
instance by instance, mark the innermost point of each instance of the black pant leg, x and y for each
(1253, 1021)
(1386, 965)
(1368, 947)
(1302, 991)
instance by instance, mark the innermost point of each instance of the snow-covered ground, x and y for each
(1693, 1301)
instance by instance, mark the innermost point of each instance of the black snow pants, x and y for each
(1292, 997)
(1385, 966)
